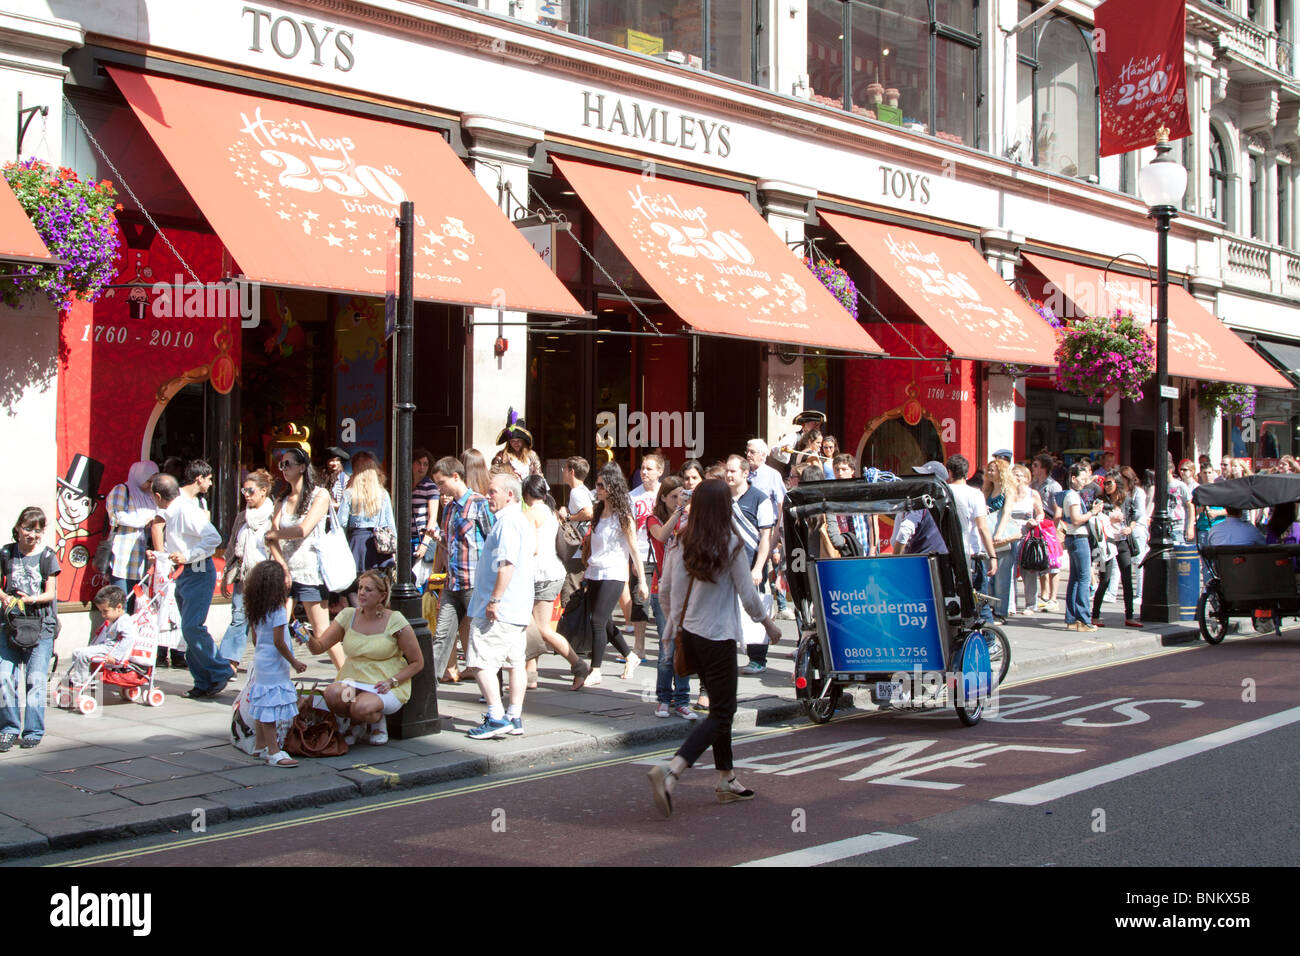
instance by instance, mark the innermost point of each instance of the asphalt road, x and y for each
(1188, 758)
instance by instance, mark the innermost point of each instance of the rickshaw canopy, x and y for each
(1253, 491)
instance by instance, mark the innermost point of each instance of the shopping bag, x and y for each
(338, 569)
(574, 624)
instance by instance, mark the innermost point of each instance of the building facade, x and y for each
(945, 157)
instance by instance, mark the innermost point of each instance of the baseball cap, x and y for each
(1004, 453)
(935, 468)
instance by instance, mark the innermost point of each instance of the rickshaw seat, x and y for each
(1255, 573)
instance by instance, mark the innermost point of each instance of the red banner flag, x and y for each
(1141, 72)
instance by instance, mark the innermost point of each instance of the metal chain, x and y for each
(614, 282)
(812, 247)
(121, 181)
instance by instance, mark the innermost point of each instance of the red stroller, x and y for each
(155, 612)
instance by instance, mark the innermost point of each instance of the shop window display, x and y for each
(1057, 110)
(657, 27)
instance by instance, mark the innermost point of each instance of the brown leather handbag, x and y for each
(314, 733)
(683, 666)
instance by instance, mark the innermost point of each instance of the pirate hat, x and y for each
(810, 416)
(515, 429)
(84, 476)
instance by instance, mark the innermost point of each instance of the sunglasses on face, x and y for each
(247, 492)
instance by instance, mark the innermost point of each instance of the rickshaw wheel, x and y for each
(1210, 617)
(808, 665)
(969, 712)
(999, 651)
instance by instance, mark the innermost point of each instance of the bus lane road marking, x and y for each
(1076, 783)
(830, 852)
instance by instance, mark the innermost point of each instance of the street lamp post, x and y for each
(1161, 185)
(419, 716)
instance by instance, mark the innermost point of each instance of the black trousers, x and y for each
(1124, 562)
(716, 663)
(602, 598)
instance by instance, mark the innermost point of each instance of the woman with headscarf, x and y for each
(131, 510)
(518, 454)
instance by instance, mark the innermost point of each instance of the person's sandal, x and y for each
(280, 759)
(630, 665)
(379, 732)
(728, 795)
(659, 788)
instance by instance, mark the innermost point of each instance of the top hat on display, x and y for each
(806, 416)
(84, 476)
(334, 451)
(515, 429)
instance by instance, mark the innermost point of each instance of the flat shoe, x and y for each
(280, 759)
(580, 673)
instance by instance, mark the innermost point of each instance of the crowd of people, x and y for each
(691, 550)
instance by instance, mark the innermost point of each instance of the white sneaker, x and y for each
(663, 711)
(785, 614)
(685, 713)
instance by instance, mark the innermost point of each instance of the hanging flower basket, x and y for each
(837, 282)
(75, 220)
(1102, 355)
(1226, 398)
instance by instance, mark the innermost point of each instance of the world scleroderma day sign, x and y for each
(1141, 72)
(881, 614)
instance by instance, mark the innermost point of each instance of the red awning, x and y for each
(19, 241)
(952, 290)
(1200, 346)
(714, 260)
(306, 197)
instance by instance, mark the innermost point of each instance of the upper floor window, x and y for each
(910, 63)
(1218, 177)
(720, 36)
(1057, 85)
(1256, 198)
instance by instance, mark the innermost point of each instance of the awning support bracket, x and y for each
(25, 117)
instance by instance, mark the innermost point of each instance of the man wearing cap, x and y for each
(336, 477)
(1006, 455)
(806, 421)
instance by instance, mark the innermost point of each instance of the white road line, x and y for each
(830, 852)
(1046, 792)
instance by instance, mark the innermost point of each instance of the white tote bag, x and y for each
(338, 569)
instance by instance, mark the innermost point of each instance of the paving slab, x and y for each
(149, 769)
(192, 786)
(178, 815)
(209, 759)
(42, 799)
(95, 779)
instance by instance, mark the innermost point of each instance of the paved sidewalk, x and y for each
(131, 769)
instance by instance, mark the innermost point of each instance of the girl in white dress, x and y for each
(271, 697)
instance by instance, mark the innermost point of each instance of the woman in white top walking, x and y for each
(548, 577)
(706, 581)
(296, 530)
(612, 545)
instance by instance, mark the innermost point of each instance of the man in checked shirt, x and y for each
(465, 524)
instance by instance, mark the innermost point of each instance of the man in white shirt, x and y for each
(769, 481)
(974, 512)
(805, 421)
(643, 505)
(501, 607)
(1233, 531)
(190, 541)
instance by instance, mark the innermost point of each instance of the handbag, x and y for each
(575, 624)
(24, 630)
(314, 733)
(338, 569)
(1034, 556)
(683, 665)
(385, 540)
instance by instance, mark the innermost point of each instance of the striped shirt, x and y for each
(424, 492)
(466, 523)
(129, 544)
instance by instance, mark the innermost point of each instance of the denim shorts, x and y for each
(308, 592)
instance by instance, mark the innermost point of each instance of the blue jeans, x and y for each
(236, 639)
(1005, 580)
(194, 598)
(36, 663)
(979, 580)
(669, 688)
(1078, 589)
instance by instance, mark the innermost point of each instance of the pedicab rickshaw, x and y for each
(1255, 581)
(906, 626)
